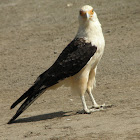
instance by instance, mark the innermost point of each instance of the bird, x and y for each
(75, 67)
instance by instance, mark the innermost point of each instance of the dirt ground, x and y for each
(32, 35)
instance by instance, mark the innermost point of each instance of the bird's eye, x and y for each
(81, 12)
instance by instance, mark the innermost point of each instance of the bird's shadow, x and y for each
(53, 115)
(43, 117)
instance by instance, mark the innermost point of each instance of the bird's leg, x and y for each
(90, 85)
(82, 87)
(86, 110)
(95, 105)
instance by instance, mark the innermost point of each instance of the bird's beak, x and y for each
(87, 15)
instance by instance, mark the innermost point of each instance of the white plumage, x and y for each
(89, 29)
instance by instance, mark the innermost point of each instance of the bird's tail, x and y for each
(25, 95)
(30, 99)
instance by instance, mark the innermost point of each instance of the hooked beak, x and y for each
(85, 14)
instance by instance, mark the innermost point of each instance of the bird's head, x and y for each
(89, 25)
(87, 14)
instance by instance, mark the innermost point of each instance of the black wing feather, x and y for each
(72, 59)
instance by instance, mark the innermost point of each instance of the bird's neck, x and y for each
(91, 32)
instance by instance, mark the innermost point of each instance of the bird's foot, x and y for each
(89, 111)
(94, 109)
(107, 106)
(96, 106)
(103, 106)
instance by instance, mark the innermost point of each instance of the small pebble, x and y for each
(69, 4)
(68, 119)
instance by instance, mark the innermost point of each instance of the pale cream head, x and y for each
(87, 15)
(89, 25)
(86, 12)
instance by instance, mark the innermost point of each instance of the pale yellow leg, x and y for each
(91, 84)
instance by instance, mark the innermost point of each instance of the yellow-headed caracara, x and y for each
(75, 67)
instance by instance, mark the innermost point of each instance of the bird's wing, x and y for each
(72, 59)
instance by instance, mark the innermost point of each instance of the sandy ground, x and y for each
(32, 35)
